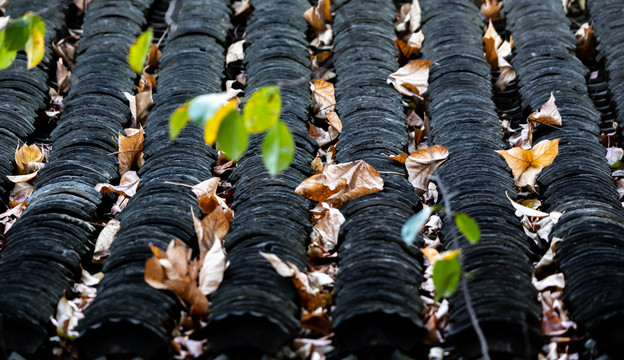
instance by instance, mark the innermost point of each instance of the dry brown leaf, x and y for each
(212, 228)
(430, 254)
(400, 158)
(21, 192)
(411, 79)
(317, 165)
(129, 149)
(140, 105)
(22, 178)
(554, 280)
(491, 9)
(323, 97)
(522, 210)
(235, 52)
(340, 183)
(421, 164)
(549, 257)
(173, 270)
(206, 187)
(153, 58)
(548, 114)
(82, 4)
(507, 74)
(403, 17)
(496, 49)
(321, 136)
(128, 185)
(527, 164)
(213, 260)
(334, 121)
(325, 231)
(586, 42)
(29, 159)
(62, 77)
(315, 19)
(105, 239)
(405, 50)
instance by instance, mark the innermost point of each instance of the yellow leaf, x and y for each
(35, 47)
(527, 164)
(139, 50)
(212, 125)
(412, 79)
(548, 114)
(340, 183)
(422, 163)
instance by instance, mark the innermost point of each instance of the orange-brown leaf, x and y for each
(491, 8)
(422, 163)
(400, 158)
(548, 114)
(404, 49)
(128, 185)
(214, 260)
(334, 121)
(323, 97)
(29, 159)
(586, 42)
(340, 183)
(412, 79)
(527, 164)
(325, 231)
(129, 149)
(153, 57)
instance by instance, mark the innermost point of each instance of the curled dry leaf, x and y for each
(173, 270)
(586, 42)
(326, 228)
(317, 165)
(128, 185)
(212, 228)
(140, 105)
(614, 154)
(153, 58)
(411, 79)
(548, 114)
(340, 183)
(240, 7)
(527, 164)
(549, 257)
(213, 261)
(522, 210)
(554, 281)
(403, 17)
(415, 16)
(495, 48)
(400, 158)
(206, 187)
(491, 9)
(105, 239)
(507, 74)
(321, 136)
(130, 149)
(323, 97)
(62, 77)
(422, 163)
(235, 52)
(67, 316)
(29, 159)
(317, 15)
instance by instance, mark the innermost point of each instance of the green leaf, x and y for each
(178, 121)
(262, 110)
(6, 56)
(207, 111)
(412, 227)
(278, 149)
(137, 56)
(35, 46)
(232, 138)
(17, 33)
(468, 227)
(446, 274)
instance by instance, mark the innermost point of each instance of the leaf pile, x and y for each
(496, 50)
(407, 27)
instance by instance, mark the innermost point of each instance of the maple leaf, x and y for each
(422, 163)
(491, 9)
(175, 271)
(130, 149)
(527, 164)
(548, 114)
(411, 79)
(340, 183)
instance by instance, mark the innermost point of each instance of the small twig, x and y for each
(162, 37)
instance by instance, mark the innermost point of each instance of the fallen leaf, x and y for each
(334, 122)
(227, 166)
(507, 74)
(240, 7)
(403, 18)
(206, 187)
(323, 97)
(548, 114)
(14, 212)
(430, 254)
(415, 16)
(527, 164)
(340, 183)
(128, 185)
(285, 269)
(153, 58)
(421, 164)
(105, 239)
(82, 4)
(21, 192)
(22, 178)
(66, 320)
(496, 49)
(586, 42)
(554, 280)
(139, 105)
(29, 159)
(326, 229)
(321, 136)
(235, 52)
(315, 18)
(212, 228)
(524, 210)
(214, 260)
(317, 165)
(411, 79)
(129, 149)
(491, 9)
(62, 77)
(230, 90)
(400, 158)
(549, 256)
(614, 154)
(405, 49)
(175, 271)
